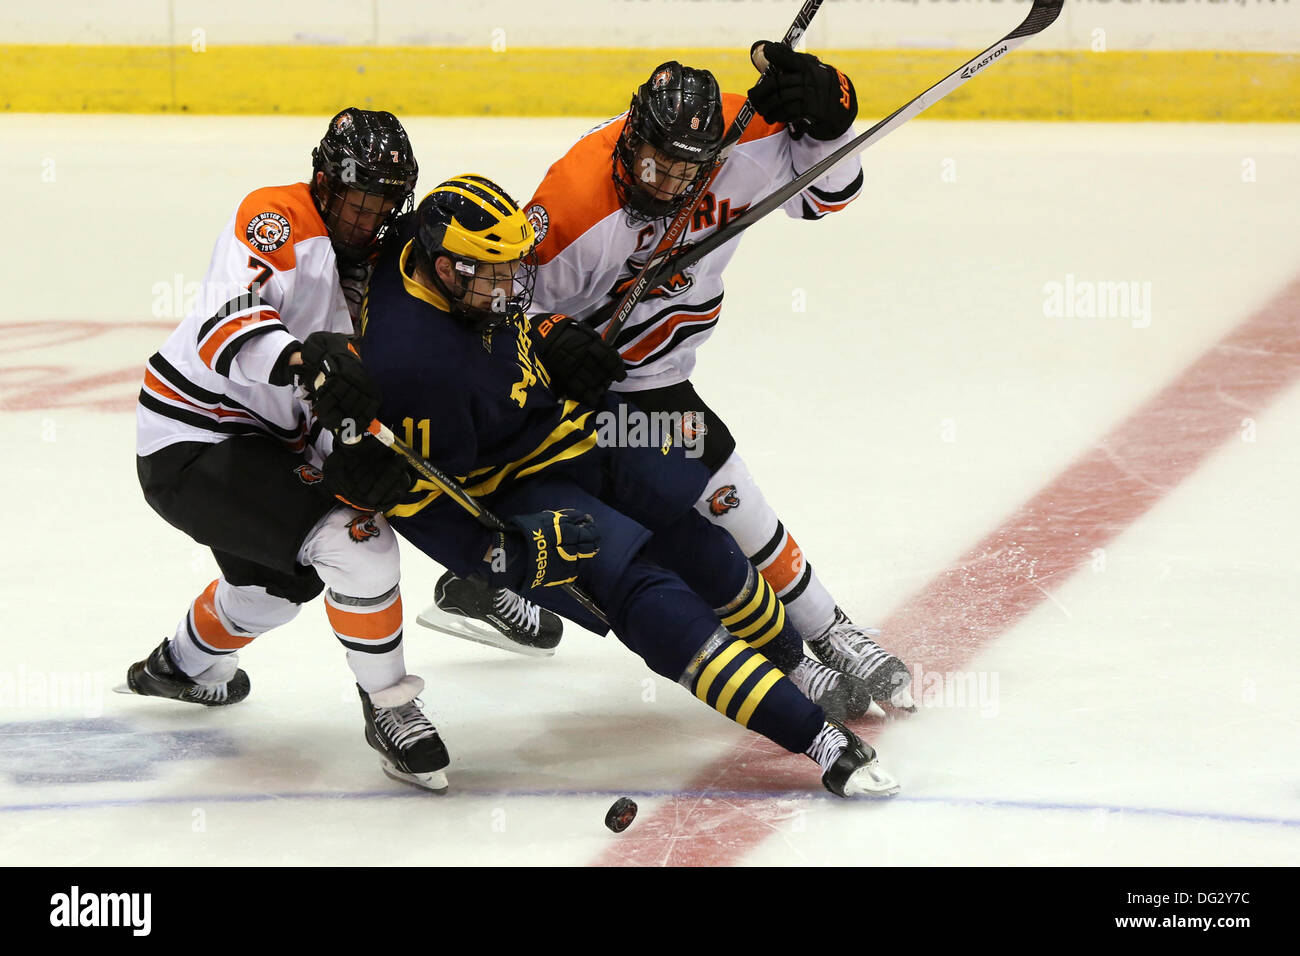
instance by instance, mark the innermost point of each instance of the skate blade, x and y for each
(436, 619)
(435, 781)
(124, 689)
(875, 710)
(870, 780)
(902, 699)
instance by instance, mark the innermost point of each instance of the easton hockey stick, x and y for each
(448, 486)
(1040, 17)
(678, 226)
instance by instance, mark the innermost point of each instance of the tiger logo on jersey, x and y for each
(539, 219)
(309, 475)
(723, 500)
(362, 528)
(693, 427)
(674, 285)
(267, 231)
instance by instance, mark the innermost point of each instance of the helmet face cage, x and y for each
(669, 144)
(369, 179)
(475, 226)
(357, 219)
(477, 295)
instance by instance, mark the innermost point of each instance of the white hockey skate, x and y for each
(408, 743)
(850, 648)
(856, 770)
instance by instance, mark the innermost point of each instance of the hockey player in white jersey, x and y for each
(230, 452)
(600, 212)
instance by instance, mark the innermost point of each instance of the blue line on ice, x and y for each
(722, 795)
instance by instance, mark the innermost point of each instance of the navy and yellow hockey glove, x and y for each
(580, 363)
(542, 550)
(800, 90)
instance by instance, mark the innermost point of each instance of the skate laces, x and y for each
(827, 746)
(404, 724)
(814, 679)
(854, 642)
(517, 611)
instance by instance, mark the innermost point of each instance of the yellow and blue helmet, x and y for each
(471, 220)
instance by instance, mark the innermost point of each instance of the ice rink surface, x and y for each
(1082, 529)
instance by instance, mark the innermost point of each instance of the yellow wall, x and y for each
(1029, 84)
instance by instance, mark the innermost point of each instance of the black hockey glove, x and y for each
(347, 398)
(542, 550)
(800, 90)
(367, 475)
(581, 364)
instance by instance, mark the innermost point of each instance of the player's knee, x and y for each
(254, 609)
(355, 553)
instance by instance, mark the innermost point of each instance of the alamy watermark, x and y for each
(81, 691)
(1085, 299)
(630, 427)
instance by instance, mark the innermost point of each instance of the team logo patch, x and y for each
(539, 219)
(661, 79)
(267, 231)
(723, 500)
(674, 285)
(693, 427)
(363, 527)
(308, 475)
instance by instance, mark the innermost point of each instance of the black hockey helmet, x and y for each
(678, 113)
(369, 178)
(474, 223)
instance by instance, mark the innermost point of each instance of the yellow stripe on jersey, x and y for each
(756, 696)
(491, 477)
(745, 611)
(566, 429)
(777, 626)
(734, 683)
(715, 667)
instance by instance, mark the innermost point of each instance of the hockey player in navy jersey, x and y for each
(445, 337)
(600, 212)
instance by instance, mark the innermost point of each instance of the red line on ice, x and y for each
(1008, 574)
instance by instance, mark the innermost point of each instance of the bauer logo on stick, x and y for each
(267, 231)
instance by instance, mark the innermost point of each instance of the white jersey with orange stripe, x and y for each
(589, 251)
(272, 281)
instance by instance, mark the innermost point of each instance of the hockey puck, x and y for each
(621, 814)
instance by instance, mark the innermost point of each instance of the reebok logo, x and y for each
(539, 539)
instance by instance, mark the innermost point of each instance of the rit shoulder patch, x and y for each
(267, 231)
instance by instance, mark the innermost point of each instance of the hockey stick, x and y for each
(679, 224)
(1040, 17)
(448, 486)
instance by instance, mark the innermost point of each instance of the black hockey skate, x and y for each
(407, 741)
(855, 769)
(158, 676)
(468, 608)
(849, 648)
(842, 696)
